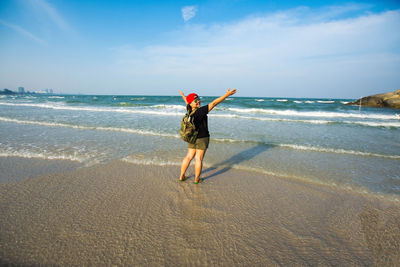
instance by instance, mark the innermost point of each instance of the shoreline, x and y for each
(122, 213)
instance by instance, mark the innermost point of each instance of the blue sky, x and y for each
(332, 49)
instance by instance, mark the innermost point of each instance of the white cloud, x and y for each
(51, 12)
(280, 54)
(23, 32)
(188, 12)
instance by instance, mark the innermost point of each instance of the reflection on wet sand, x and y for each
(137, 215)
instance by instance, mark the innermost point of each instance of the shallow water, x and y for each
(317, 140)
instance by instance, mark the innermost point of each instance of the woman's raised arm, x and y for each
(183, 96)
(221, 98)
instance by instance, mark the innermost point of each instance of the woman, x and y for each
(199, 148)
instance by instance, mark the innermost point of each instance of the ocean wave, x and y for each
(233, 116)
(326, 101)
(362, 123)
(375, 124)
(56, 97)
(298, 102)
(176, 110)
(338, 151)
(150, 161)
(224, 140)
(81, 127)
(282, 100)
(178, 107)
(393, 124)
(320, 114)
(95, 109)
(260, 100)
(44, 155)
(230, 116)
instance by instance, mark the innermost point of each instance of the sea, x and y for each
(320, 141)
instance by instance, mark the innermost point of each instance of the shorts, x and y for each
(201, 143)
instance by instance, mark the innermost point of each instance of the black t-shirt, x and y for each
(201, 121)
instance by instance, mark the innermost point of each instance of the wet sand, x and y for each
(16, 169)
(124, 214)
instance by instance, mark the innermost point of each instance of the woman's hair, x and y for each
(189, 108)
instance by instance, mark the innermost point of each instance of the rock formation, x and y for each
(387, 100)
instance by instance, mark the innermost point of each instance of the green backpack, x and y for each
(188, 130)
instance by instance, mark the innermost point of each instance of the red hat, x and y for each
(191, 97)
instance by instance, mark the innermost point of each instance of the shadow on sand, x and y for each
(226, 165)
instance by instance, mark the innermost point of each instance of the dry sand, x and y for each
(124, 214)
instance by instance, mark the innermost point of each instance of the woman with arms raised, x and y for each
(198, 149)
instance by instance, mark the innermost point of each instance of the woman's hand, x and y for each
(231, 92)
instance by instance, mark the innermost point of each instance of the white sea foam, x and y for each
(338, 151)
(145, 132)
(393, 124)
(326, 101)
(298, 102)
(56, 97)
(375, 124)
(178, 107)
(282, 100)
(269, 119)
(45, 155)
(310, 102)
(96, 109)
(80, 127)
(151, 161)
(260, 100)
(323, 114)
(173, 110)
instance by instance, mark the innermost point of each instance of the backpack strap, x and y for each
(191, 114)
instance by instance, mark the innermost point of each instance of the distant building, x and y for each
(21, 90)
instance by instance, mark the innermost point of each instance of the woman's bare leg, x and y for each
(198, 164)
(186, 161)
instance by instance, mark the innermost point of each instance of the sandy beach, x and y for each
(125, 214)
